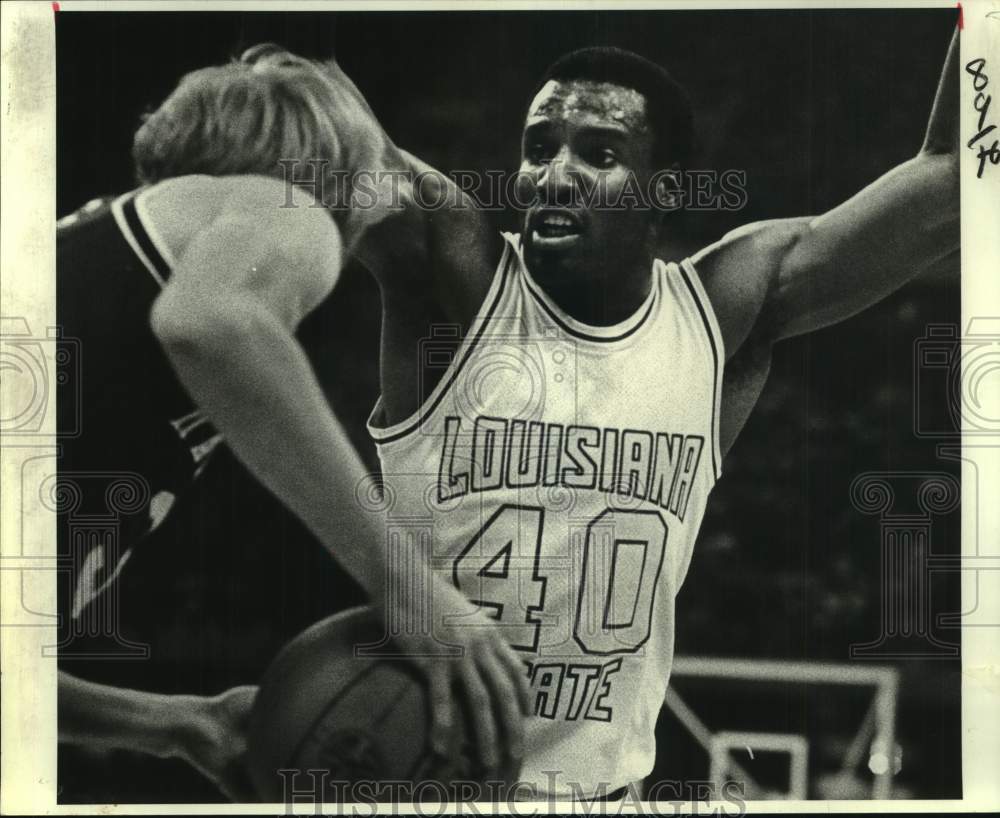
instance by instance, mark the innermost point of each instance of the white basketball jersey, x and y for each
(558, 475)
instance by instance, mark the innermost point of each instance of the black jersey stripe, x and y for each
(715, 364)
(425, 411)
(585, 336)
(142, 238)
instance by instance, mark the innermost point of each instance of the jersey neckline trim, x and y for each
(396, 431)
(583, 331)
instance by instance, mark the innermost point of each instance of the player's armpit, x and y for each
(739, 273)
(743, 380)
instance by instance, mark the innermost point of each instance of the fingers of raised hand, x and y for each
(442, 707)
(506, 708)
(518, 670)
(482, 715)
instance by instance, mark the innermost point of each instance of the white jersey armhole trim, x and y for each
(126, 231)
(384, 435)
(718, 349)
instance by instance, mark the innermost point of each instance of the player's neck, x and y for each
(606, 299)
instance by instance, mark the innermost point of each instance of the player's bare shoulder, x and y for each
(293, 221)
(740, 270)
(243, 236)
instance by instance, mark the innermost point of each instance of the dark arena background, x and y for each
(812, 105)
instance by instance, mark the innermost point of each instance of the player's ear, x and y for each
(667, 191)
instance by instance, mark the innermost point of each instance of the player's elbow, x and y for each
(199, 328)
(941, 170)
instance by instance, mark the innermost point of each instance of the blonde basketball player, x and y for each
(186, 295)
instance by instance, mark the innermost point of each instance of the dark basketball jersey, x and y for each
(133, 440)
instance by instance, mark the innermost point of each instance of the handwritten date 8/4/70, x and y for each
(980, 82)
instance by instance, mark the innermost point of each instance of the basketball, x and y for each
(351, 718)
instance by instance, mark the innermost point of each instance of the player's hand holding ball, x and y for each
(421, 689)
(473, 674)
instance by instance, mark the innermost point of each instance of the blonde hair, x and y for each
(247, 116)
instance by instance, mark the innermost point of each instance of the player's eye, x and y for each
(603, 157)
(539, 152)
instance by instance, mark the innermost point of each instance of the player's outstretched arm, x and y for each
(207, 732)
(861, 251)
(227, 320)
(781, 278)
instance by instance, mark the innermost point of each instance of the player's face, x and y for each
(586, 152)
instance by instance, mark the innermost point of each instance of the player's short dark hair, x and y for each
(668, 107)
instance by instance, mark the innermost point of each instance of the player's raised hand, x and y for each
(363, 134)
(365, 151)
(470, 666)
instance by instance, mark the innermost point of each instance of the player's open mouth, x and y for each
(555, 228)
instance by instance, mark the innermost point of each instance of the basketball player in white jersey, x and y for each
(556, 405)
(185, 295)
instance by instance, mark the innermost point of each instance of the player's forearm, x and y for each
(110, 717)
(860, 252)
(249, 374)
(400, 244)
(943, 126)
